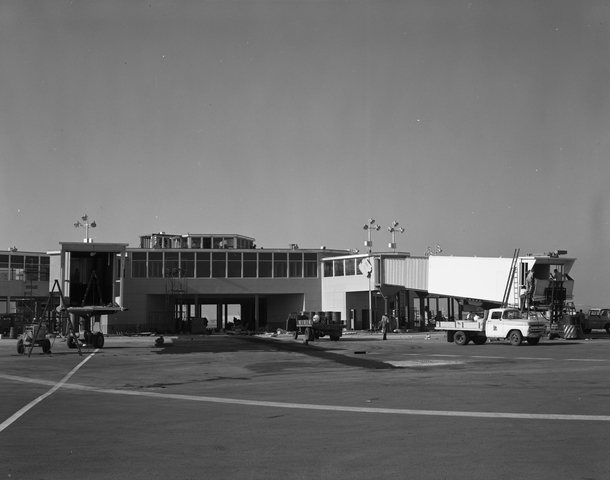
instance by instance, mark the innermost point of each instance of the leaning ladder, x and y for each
(511, 278)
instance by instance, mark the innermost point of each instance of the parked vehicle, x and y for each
(314, 326)
(497, 323)
(597, 319)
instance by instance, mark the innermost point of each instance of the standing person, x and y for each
(384, 324)
(530, 283)
(522, 296)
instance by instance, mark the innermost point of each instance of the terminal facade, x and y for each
(171, 283)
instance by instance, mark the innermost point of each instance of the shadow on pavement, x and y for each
(250, 344)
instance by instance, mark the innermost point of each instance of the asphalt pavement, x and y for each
(270, 407)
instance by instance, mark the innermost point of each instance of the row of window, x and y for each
(24, 267)
(198, 242)
(224, 265)
(341, 268)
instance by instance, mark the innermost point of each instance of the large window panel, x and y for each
(203, 265)
(187, 264)
(249, 265)
(155, 264)
(234, 265)
(172, 264)
(311, 265)
(31, 268)
(328, 268)
(219, 265)
(338, 267)
(295, 264)
(265, 265)
(138, 265)
(280, 265)
(350, 267)
(4, 271)
(45, 269)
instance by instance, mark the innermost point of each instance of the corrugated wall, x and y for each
(412, 272)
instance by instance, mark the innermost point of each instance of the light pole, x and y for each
(86, 225)
(368, 227)
(393, 229)
(371, 225)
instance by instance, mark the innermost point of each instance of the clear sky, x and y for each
(482, 126)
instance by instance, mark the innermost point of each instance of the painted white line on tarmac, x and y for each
(586, 360)
(331, 408)
(30, 405)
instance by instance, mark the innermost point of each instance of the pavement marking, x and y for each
(56, 387)
(586, 360)
(423, 363)
(304, 406)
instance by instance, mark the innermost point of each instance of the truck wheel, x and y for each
(70, 342)
(461, 338)
(46, 346)
(309, 333)
(334, 338)
(295, 335)
(98, 340)
(533, 341)
(20, 347)
(515, 338)
(607, 327)
(479, 340)
(586, 330)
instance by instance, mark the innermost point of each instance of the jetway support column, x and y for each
(422, 310)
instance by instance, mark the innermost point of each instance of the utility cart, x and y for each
(314, 326)
(34, 335)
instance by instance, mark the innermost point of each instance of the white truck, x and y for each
(497, 323)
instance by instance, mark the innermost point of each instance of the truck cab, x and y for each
(598, 319)
(507, 323)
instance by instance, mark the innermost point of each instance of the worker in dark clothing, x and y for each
(385, 325)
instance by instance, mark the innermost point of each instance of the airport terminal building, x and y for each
(181, 283)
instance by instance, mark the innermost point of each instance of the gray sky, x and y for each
(482, 126)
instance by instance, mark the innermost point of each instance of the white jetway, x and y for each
(480, 278)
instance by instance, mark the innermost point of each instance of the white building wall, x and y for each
(334, 290)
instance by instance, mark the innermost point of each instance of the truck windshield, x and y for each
(511, 314)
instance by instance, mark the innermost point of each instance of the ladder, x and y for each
(47, 308)
(511, 280)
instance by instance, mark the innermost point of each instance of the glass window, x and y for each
(203, 265)
(265, 265)
(295, 265)
(4, 271)
(338, 265)
(138, 265)
(328, 269)
(219, 265)
(280, 265)
(45, 269)
(249, 265)
(234, 266)
(31, 268)
(311, 265)
(155, 264)
(350, 266)
(196, 242)
(206, 242)
(17, 267)
(172, 264)
(187, 264)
